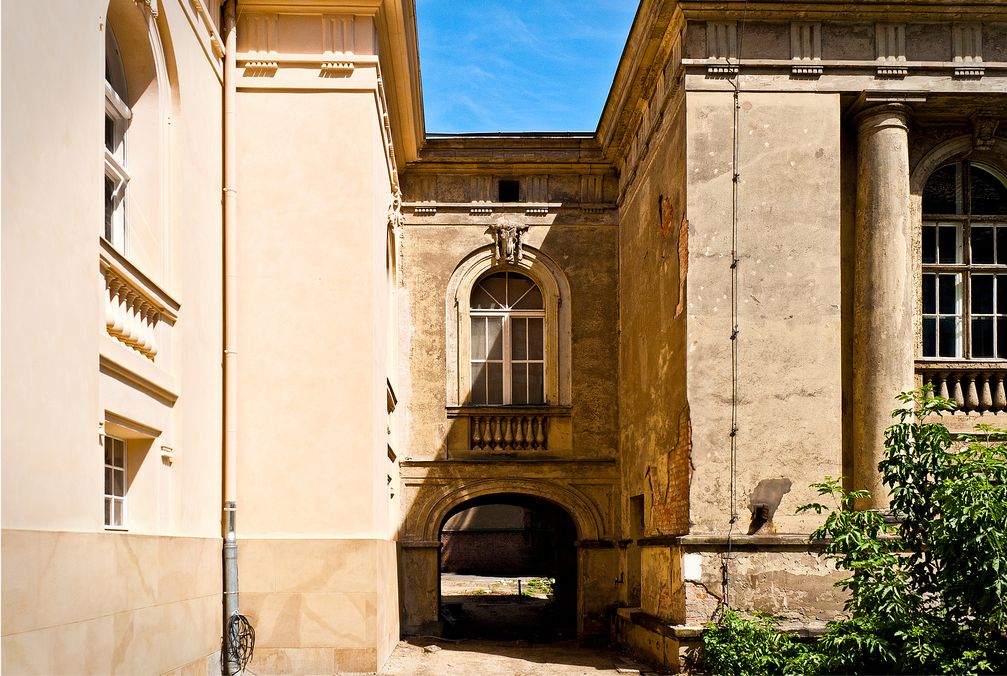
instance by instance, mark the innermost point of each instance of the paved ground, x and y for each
(493, 606)
(430, 657)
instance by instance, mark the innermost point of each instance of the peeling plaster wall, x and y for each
(586, 254)
(654, 429)
(789, 375)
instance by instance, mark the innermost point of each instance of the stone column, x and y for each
(883, 289)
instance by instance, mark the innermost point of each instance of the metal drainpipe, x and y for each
(230, 483)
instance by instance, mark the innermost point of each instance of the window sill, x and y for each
(510, 409)
(958, 364)
(116, 529)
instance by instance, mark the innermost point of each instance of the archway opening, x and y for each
(508, 570)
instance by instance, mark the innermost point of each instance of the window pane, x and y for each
(478, 338)
(531, 300)
(496, 286)
(108, 481)
(948, 337)
(982, 337)
(1002, 294)
(482, 300)
(118, 484)
(109, 207)
(982, 244)
(517, 287)
(1001, 338)
(478, 396)
(535, 339)
(929, 337)
(1002, 246)
(982, 294)
(940, 192)
(109, 451)
(948, 294)
(929, 243)
(120, 452)
(494, 383)
(117, 512)
(109, 132)
(108, 511)
(536, 384)
(519, 334)
(947, 244)
(929, 294)
(519, 384)
(989, 196)
(494, 337)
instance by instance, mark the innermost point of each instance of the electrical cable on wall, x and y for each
(735, 323)
(239, 642)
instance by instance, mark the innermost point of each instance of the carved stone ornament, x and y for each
(508, 244)
(984, 128)
(395, 210)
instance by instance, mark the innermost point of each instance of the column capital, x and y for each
(883, 115)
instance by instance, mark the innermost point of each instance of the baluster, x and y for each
(985, 396)
(942, 389)
(537, 423)
(154, 317)
(497, 437)
(999, 396)
(474, 424)
(110, 303)
(508, 435)
(956, 391)
(142, 311)
(519, 433)
(972, 396)
(543, 432)
(126, 307)
(119, 300)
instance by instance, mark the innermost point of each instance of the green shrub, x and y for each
(927, 589)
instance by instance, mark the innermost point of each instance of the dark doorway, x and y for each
(509, 570)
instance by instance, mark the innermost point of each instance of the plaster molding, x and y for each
(806, 47)
(967, 48)
(436, 501)
(984, 128)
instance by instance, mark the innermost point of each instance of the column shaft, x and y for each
(883, 289)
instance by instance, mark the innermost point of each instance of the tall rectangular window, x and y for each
(115, 482)
(964, 260)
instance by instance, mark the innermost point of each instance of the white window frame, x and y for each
(507, 360)
(115, 158)
(963, 268)
(555, 288)
(111, 497)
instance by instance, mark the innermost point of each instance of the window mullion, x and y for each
(507, 395)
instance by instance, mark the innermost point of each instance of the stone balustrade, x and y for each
(135, 307)
(976, 387)
(509, 432)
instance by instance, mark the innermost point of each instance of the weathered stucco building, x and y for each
(303, 311)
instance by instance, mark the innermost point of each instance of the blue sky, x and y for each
(519, 65)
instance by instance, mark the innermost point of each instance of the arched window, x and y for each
(507, 355)
(117, 117)
(964, 253)
(507, 335)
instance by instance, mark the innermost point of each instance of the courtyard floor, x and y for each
(499, 607)
(430, 657)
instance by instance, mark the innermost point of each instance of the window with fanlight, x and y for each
(964, 251)
(508, 341)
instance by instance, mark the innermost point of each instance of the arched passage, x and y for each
(508, 569)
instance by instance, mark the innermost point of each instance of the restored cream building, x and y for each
(309, 325)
